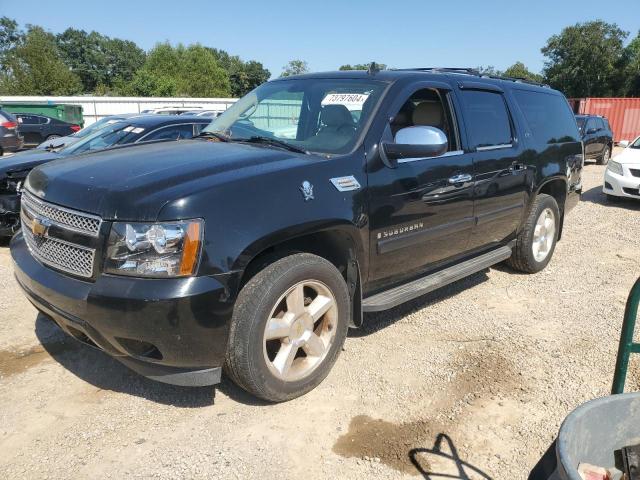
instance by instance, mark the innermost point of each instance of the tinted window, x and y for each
(548, 116)
(173, 132)
(599, 123)
(606, 124)
(28, 119)
(486, 118)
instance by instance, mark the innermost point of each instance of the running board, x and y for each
(408, 291)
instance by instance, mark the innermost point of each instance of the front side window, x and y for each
(317, 115)
(486, 118)
(427, 107)
(549, 117)
(635, 144)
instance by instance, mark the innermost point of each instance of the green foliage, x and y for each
(362, 66)
(180, 71)
(295, 67)
(98, 59)
(631, 63)
(519, 70)
(243, 76)
(10, 37)
(584, 60)
(33, 67)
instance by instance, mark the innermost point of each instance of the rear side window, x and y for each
(173, 132)
(549, 117)
(486, 118)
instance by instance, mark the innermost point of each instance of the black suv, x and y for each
(10, 138)
(311, 200)
(597, 138)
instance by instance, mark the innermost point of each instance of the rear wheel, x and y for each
(537, 240)
(606, 155)
(288, 327)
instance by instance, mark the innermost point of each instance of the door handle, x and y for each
(462, 178)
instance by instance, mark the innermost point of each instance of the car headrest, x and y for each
(428, 114)
(336, 116)
(405, 115)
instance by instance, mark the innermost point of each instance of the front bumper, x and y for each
(171, 330)
(621, 185)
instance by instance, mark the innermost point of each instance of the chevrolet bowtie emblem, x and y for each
(39, 228)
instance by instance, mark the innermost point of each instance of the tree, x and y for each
(10, 37)
(243, 76)
(362, 66)
(584, 59)
(519, 70)
(631, 68)
(34, 67)
(294, 67)
(180, 71)
(99, 60)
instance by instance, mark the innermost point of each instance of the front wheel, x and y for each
(289, 324)
(536, 241)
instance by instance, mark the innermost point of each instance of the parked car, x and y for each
(37, 128)
(257, 253)
(138, 129)
(597, 138)
(10, 138)
(622, 176)
(59, 142)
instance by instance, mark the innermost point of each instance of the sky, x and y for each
(329, 33)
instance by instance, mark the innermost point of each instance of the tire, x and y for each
(254, 362)
(524, 257)
(606, 155)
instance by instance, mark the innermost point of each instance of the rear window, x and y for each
(487, 119)
(548, 116)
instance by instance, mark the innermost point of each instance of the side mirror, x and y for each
(623, 143)
(416, 142)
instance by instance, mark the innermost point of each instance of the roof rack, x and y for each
(472, 71)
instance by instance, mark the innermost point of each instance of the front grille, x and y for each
(632, 191)
(635, 172)
(59, 254)
(63, 217)
(37, 216)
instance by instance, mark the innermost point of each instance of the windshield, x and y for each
(95, 126)
(317, 115)
(116, 133)
(635, 144)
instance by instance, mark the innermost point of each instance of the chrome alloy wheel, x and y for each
(544, 235)
(300, 330)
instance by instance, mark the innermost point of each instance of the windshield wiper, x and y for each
(220, 136)
(275, 142)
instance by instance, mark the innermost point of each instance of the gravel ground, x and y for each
(483, 371)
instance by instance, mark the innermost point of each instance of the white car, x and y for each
(622, 177)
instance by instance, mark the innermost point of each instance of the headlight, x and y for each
(154, 249)
(615, 167)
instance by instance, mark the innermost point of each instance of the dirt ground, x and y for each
(477, 376)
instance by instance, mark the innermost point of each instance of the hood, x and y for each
(135, 182)
(26, 160)
(57, 142)
(628, 155)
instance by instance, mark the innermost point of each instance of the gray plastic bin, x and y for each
(593, 431)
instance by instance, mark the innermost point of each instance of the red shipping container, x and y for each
(623, 114)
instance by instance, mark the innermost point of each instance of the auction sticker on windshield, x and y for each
(353, 101)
